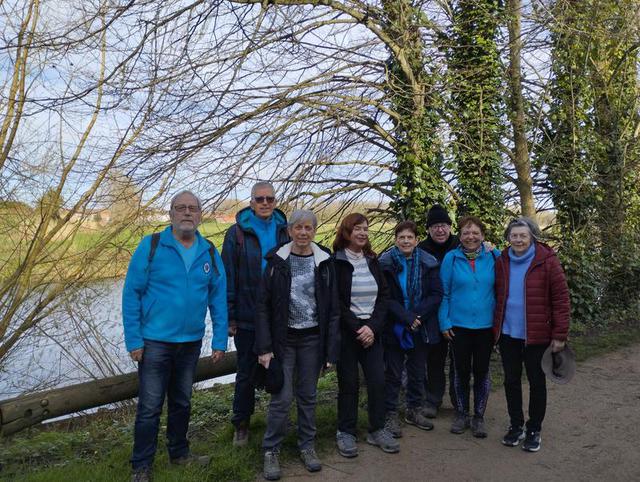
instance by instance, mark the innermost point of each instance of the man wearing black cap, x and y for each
(438, 243)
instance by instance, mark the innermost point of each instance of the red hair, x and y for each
(345, 229)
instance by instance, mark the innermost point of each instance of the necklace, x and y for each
(353, 255)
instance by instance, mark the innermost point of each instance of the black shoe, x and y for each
(478, 428)
(532, 441)
(143, 474)
(513, 437)
(460, 423)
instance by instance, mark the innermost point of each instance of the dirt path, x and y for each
(590, 433)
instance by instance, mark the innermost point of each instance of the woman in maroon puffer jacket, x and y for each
(532, 311)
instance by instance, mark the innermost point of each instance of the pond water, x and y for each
(82, 342)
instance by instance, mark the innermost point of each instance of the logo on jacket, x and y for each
(206, 268)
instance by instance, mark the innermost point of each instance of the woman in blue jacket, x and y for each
(415, 294)
(466, 320)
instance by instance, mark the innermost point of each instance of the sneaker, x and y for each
(241, 435)
(271, 468)
(414, 416)
(513, 437)
(460, 423)
(143, 474)
(477, 427)
(429, 410)
(383, 439)
(191, 459)
(347, 446)
(310, 460)
(392, 425)
(532, 441)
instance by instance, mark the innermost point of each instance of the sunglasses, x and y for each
(261, 199)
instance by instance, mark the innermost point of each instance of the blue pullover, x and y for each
(514, 314)
(162, 301)
(469, 296)
(265, 230)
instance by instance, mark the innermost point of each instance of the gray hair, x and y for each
(523, 222)
(185, 191)
(300, 215)
(260, 185)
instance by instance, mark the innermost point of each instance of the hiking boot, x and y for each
(310, 460)
(241, 435)
(271, 468)
(143, 474)
(383, 439)
(429, 410)
(191, 459)
(513, 437)
(414, 416)
(532, 441)
(347, 446)
(392, 425)
(460, 423)
(477, 427)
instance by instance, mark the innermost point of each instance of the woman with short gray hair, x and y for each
(298, 326)
(532, 312)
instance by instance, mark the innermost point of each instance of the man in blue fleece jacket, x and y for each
(164, 304)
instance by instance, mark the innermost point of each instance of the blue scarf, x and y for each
(410, 282)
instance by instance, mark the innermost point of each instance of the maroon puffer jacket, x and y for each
(546, 297)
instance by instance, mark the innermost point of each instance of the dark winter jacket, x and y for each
(242, 258)
(439, 250)
(426, 307)
(344, 274)
(273, 304)
(547, 308)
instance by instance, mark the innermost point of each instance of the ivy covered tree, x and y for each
(475, 108)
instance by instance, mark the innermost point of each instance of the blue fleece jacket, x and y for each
(469, 296)
(514, 314)
(162, 301)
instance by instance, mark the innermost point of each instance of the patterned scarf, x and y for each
(471, 255)
(413, 286)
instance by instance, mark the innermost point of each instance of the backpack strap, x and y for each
(155, 239)
(212, 254)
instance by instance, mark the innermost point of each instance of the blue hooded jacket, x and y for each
(242, 257)
(161, 301)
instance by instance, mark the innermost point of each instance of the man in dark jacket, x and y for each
(438, 243)
(258, 229)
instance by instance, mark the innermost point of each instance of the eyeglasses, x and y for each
(261, 199)
(440, 226)
(181, 208)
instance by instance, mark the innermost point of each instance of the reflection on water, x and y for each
(83, 341)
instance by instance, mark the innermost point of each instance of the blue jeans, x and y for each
(244, 398)
(166, 368)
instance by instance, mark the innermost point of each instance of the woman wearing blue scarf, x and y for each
(416, 291)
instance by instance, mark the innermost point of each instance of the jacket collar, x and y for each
(319, 255)
(167, 239)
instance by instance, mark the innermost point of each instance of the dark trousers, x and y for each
(514, 353)
(471, 354)
(436, 381)
(301, 369)
(372, 362)
(166, 368)
(396, 360)
(244, 396)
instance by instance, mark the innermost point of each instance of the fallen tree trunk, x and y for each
(21, 412)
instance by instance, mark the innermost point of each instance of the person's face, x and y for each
(471, 237)
(440, 232)
(263, 202)
(302, 234)
(185, 214)
(406, 241)
(359, 237)
(520, 239)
